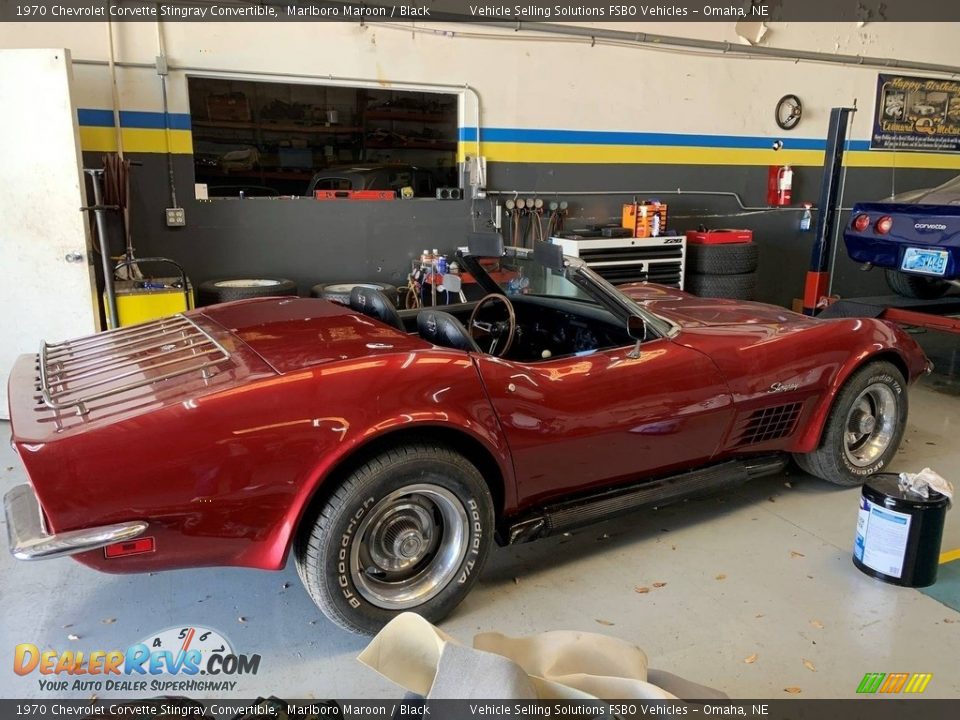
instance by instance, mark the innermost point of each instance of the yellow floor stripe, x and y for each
(949, 556)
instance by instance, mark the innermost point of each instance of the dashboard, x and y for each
(554, 327)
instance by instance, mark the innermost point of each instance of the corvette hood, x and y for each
(295, 333)
(690, 311)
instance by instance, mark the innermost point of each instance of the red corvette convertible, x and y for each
(389, 451)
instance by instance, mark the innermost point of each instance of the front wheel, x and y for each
(407, 531)
(864, 428)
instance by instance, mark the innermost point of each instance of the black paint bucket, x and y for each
(899, 533)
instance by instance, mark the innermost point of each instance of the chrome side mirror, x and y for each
(636, 329)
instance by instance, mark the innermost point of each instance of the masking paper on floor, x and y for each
(558, 665)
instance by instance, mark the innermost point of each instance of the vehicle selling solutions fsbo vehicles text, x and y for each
(547, 12)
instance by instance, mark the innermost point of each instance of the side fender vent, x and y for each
(770, 423)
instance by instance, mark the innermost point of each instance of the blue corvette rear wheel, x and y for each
(916, 286)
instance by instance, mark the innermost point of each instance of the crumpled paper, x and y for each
(922, 482)
(558, 665)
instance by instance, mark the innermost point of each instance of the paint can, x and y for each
(899, 532)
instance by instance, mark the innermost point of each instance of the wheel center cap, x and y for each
(409, 545)
(866, 424)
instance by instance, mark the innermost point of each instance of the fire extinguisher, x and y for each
(779, 184)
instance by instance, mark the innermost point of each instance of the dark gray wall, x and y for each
(313, 241)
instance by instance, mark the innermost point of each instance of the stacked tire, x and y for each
(213, 292)
(724, 270)
(340, 292)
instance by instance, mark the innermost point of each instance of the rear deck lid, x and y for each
(75, 383)
(296, 333)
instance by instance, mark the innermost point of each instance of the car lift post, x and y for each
(817, 283)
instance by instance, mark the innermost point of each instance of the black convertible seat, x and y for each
(445, 330)
(374, 303)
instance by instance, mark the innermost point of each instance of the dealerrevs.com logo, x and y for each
(187, 652)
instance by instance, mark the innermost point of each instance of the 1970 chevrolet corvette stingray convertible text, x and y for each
(389, 451)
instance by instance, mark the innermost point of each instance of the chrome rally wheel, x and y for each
(871, 425)
(864, 427)
(409, 546)
(406, 531)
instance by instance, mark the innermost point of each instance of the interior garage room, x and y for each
(594, 354)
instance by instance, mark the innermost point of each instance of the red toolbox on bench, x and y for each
(354, 195)
(719, 237)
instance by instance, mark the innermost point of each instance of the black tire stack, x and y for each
(725, 270)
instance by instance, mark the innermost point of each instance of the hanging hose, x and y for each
(116, 191)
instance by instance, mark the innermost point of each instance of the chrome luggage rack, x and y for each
(74, 373)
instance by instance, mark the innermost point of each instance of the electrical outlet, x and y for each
(176, 217)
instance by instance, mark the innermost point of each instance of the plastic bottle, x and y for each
(806, 220)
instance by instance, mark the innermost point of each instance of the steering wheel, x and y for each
(500, 332)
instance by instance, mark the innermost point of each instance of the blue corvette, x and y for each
(915, 237)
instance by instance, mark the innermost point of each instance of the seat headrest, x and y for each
(375, 304)
(445, 330)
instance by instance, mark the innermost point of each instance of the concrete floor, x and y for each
(764, 571)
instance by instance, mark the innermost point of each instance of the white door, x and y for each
(47, 289)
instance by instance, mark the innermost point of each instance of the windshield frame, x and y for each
(577, 272)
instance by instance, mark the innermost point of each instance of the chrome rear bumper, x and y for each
(29, 540)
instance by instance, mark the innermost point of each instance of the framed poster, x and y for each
(916, 113)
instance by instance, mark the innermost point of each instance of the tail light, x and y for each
(884, 224)
(861, 222)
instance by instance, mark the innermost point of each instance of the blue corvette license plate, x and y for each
(924, 260)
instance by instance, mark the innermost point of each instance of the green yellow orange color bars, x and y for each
(894, 683)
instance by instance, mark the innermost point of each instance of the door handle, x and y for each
(73, 257)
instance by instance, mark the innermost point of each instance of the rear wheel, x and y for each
(407, 531)
(864, 428)
(916, 286)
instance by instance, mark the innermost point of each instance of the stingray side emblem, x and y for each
(782, 387)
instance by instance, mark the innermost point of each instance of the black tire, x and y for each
(916, 286)
(350, 521)
(212, 292)
(724, 259)
(735, 287)
(340, 292)
(831, 461)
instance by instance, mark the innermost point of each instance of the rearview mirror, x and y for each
(549, 255)
(485, 244)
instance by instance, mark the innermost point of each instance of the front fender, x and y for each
(873, 340)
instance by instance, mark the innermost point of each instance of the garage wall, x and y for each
(686, 120)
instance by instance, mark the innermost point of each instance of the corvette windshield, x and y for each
(518, 272)
(523, 275)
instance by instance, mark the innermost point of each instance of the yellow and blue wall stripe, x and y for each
(142, 132)
(154, 132)
(613, 147)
